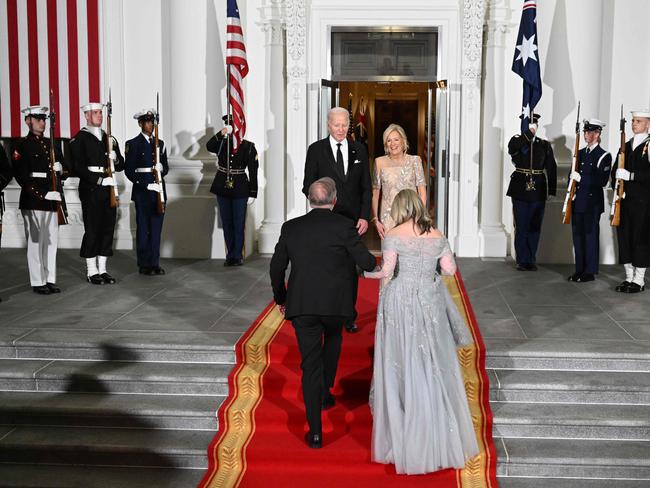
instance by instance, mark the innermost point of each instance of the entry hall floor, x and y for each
(131, 374)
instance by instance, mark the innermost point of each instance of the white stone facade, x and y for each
(594, 51)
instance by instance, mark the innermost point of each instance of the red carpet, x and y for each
(262, 423)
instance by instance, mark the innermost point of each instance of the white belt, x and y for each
(143, 170)
(37, 174)
(96, 169)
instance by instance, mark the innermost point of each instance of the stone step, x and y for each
(572, 458)
(571, 421)
(52, 476)
(114, 377)
(516, 482)
(120, 410)
(569, 386)
(92, 446)
(193, 347)
(586, 355)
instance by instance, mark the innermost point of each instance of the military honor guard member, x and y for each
(6, 174)
(633, 231)
(533, 181)
(234, 190)
(91, 155)
(38, 203)
(139, 169)
(589, 201)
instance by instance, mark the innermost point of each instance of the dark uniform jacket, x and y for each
(139, 153)
(354, 189)
(246, 158)
(636, 162)
(319, 246)
(519, 149)
(594, 174)
(88, 151)
(32, 155)
(6, 172)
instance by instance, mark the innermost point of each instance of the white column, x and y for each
(274, 115)
(467, 241)
(493, 241)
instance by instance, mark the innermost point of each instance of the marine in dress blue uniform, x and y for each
(633, 232)
(138, 167)
(532, 182)
(234, 189)
(38, 203)
(589, 201)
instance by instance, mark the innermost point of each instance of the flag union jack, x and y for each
(526, 61)
(237, 66)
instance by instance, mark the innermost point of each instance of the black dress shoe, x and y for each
(351, 327)
(145, 270)
(622, 286)
(574, 277)
(41, 290)
(237, 262)
(531, 267)
(95, 279)
(108, 279)
(158, 270)
(53, 288)
(315, 441)
(228, 262)
(586, 277)
(634, 288)
(328, 401)
(522, 267)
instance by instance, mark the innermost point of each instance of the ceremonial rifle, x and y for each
(55, 182)
(110, 169)
(157, 176)
(619, 192)
(575, 166)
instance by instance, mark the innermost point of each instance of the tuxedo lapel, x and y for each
(352, 157)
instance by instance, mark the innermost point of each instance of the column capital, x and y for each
(273, 21)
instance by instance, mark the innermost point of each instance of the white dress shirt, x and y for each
(344, 151)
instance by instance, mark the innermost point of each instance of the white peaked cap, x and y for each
(143, 112)
(34, 110)
(593, 122)
(645, 113)
(92, 106)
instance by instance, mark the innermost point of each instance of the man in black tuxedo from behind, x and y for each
(346, 162)
(321, 292)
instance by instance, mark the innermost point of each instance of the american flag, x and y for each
(48, 44)
(526, 61)
(237, 71)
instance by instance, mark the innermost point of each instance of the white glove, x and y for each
(154, 187)
(228, 129)
(159, 167)
(108, 181)
(623, 174)
(112, 156)
(58, 167)
(53, 196)
(575, 176)
(250, 200)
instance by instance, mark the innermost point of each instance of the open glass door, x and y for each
(438, 152)
(328, 98)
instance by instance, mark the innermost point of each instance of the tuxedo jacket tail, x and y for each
(354, 189)
(320, 246)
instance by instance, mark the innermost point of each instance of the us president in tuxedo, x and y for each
(346, 162)
(321, 292)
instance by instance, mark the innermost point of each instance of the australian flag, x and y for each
(526, 61)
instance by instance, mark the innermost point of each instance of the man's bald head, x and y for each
(322, 193)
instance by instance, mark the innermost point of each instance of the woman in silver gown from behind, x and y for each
(421, 418)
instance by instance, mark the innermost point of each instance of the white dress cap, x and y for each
(92, 106)
(34, 110)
